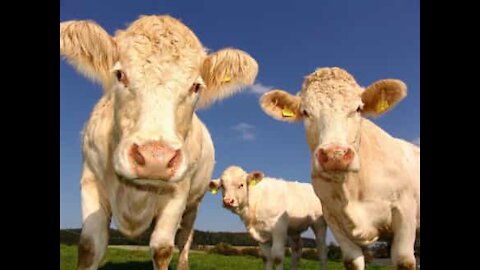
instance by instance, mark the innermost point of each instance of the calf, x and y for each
(368, 181)
(271, 210)
(147, 156)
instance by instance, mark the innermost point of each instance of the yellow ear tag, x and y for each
(214, 191)
(227, 78)
(382, 106)
(252, 182)
(286, 112)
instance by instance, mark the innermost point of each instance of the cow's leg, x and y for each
(96, 217)
(163, 236)
(266, 250)
(320, 230)
(185, 236)
(279, 239)
(296, 245)
(352, 254)
(404, 229)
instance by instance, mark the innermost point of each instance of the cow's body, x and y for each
(147, 157)
(274, 210)
(368, 181)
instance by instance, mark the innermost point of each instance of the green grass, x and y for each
(118, 259)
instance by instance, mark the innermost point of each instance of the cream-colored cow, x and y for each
(368, 181)
(147, 156)
(272, 210)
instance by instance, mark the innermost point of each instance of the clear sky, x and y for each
(372, 39)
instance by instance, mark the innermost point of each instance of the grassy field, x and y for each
(120, 259)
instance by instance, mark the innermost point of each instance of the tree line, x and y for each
(72, 236)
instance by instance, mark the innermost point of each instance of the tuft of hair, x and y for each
(225, 73)
(330, 74)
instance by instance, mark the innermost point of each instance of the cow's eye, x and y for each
(121, 77)
(196, 87)
(305, 113)
(359, 108)
(241, 186)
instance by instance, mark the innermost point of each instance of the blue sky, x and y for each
(372, 39)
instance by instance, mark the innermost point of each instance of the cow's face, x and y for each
(235, 184)
(331, 104)
(158, 73)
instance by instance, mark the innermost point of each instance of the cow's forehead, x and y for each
(233, 173)
(159, 45)
(330, 87)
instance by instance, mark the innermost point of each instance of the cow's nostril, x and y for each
(348, 155)
(175, 160)
(137, 156)
(322, 156)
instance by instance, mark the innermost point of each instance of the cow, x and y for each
(272, 211)
(367, 180)
(147, 157)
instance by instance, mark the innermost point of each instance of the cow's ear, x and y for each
(382, 96)
(215, 185)
(226, 72)
(254, 177)
(90, 49)
(281, 105)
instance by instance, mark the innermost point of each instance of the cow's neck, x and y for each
(345, 209)
(342, 192)
(247, 212)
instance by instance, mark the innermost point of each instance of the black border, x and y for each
(448, 135)
(30, 115)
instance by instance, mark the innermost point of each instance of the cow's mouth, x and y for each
(159, 187)
(233, 208)
(330, 176)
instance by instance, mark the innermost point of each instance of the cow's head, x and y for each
(332, 104)
(235, 184)
(157, 73)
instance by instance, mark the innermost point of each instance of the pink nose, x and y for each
(154, 160)
(335, 157)
(228, 201)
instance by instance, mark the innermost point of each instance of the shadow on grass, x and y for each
(129, 266)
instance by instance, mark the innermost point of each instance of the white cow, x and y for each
(147, 156)
(273, 209)
(368, 181)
